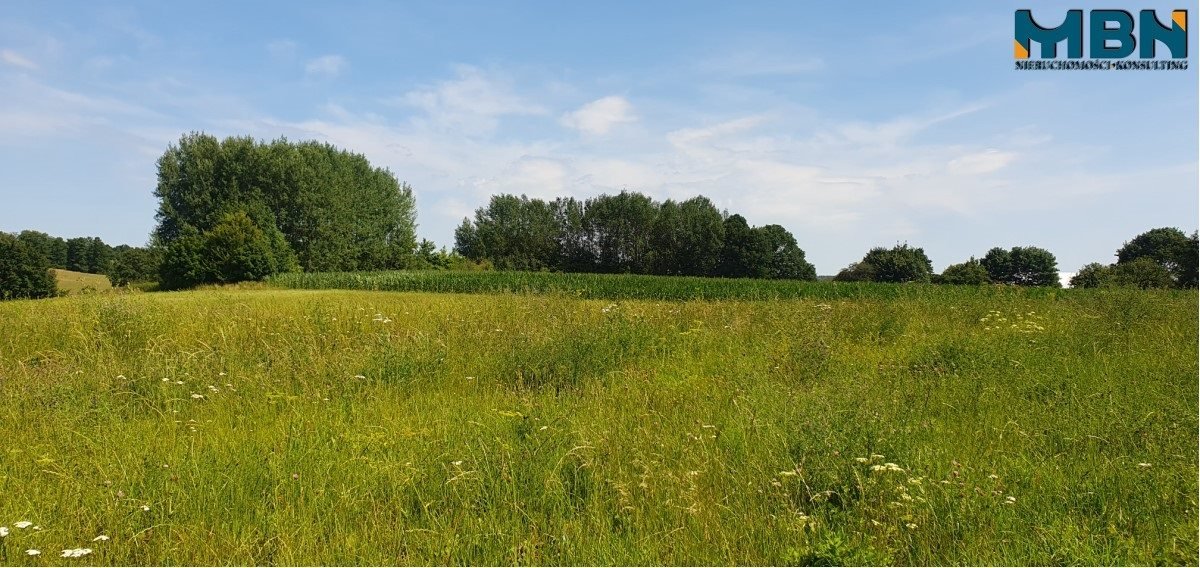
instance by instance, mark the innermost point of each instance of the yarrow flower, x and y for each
(100, 538)
(3, 532)
(22, 524)
(76, 552)
(33, 552)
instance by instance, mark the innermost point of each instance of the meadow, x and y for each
(552, 420)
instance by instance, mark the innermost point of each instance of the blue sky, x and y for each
(853, 125)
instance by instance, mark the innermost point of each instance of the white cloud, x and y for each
(326, 66)
(600, 116)
(471, 103)
(16, 59)
(984, 162)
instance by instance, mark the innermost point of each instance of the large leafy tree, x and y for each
(330, 207)
(618, 229)
(784, 258)
(24, 271)
(1021, 266)
(745, 254)
(900, 263)
(1168, 247)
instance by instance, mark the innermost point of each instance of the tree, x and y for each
(700, 240)
(1170, 248)
(134, 264)
(618, 231)
(1022, 266)
(330, 207)
(745, 253)
(784, 258)
(1143, 272)
(53, 248)
(900, 263)
(969, 273)
(1093, 275)
(24, 271)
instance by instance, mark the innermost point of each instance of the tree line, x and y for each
(627, 233)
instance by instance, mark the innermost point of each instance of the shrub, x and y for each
(24, 272)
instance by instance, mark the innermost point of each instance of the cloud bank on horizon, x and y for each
(908, 126)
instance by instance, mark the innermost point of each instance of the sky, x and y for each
(853, 125)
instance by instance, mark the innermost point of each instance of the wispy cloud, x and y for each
(282, 48)
(15, 59)
(326, 66)
(600, 116)
(471, 103)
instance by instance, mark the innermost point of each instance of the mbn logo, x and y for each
(1110, 35)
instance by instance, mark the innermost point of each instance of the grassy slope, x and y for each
(75, 282)
(384, 428)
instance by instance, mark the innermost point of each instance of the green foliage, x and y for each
(1170, 248)
(331, 208)
(1143, 272)
(1093, 275)
(24, 271)
(898, 264)
(627, 233)
(971, 273)
(53, 248)
(134, 265)
(1022, 266)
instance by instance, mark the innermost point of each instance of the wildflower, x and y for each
(166, 380)
(100, 538)
(145, 508)
(359, 377)
(22, 524)
(459, 462)
(33, 552)
(993, 476)
(1010, 500)
(295, 476)
(911, 525)
(76, 552)
(3, 532)
(861, 460)
(179, 382)
(221, 374)
(1143, 464)
(197, 395)
(542, 428)
(876, 456)
(787, 473)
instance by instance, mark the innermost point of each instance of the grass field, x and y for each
(71, 282)
(939, 426)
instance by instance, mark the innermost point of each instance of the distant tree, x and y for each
(970, 273)
(24, 271)
(134, 264)
(575, 253)
(745, 253)
(97, 256)
(1170, 248)
(900, 263)
(329, 206)
(856, 272)
(1092, 275)
(618, 229)
(77, 254)
(53, 248)
(1143, 272)
(701, 238)
(784, 258)
(1022, 266)
(514, 233)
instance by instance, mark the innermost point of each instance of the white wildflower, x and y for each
(33, 552)
(100, 538)
(22, 524)
(876, 456)
(145, 508)
(457, 463)
(1010, 500)
(861, 460)
(3, 532)
(76, 552)
(197, 395)
(1143, 464)
(911, 525)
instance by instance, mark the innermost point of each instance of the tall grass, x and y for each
(336, 427)
(633, 286)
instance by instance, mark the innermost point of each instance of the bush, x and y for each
(970, 273)
(24, 272)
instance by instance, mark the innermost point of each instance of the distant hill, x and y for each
(72, 282)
